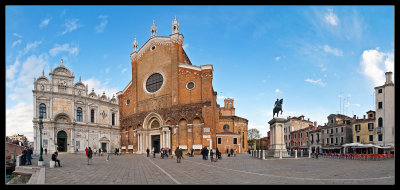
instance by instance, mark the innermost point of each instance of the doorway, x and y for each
(104, 147)
(62, 141)
(155, 142)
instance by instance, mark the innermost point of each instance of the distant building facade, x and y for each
(335, 133)
(73, 119)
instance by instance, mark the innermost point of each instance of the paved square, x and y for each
(243, 169)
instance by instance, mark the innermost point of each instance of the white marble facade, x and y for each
(73, 119)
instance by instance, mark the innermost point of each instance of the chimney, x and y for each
(388, 77)
(364, 116)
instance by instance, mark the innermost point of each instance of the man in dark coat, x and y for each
(178, 153)
(29, 153)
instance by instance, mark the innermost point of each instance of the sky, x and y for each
(320, 60)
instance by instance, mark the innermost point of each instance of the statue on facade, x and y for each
(278, 107)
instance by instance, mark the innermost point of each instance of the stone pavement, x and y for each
(243, 169)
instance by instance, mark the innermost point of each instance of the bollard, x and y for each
(295, 153)
(263, 155)
(309, 154)
(301, 153)
(280, 154)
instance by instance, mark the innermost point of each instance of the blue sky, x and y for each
(308, 55)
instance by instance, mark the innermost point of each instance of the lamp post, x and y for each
(40, 162)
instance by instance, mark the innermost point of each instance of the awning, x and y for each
(358, 145)
(385, 147)
(331, 147)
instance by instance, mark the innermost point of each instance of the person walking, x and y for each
(45, 151)
(211, 155)
(95, 151)
(232, 152)
(29, 153)
(162, 153)
(153, 150)
(316, 153)
(166, 152)
(54, 158)
(178, 153)
(191, 153)
(202, 153)
(148, 151)
(99, 151)
(86, 150)
(89, 155)
(206, 153)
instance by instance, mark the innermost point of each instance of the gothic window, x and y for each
(92, 115)
(79, 114)
(154, 82)
(42, 110)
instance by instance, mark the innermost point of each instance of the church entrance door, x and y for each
(62, 141)
(155, 142)
(104, 147)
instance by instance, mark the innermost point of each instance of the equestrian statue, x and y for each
(278, 107)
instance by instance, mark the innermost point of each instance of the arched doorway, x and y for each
(62, 141)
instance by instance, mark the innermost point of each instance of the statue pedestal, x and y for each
(277, 148)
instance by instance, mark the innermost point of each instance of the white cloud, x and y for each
(277, 58)
(100, 28)
(12, 70)
(31, 46)
(334, 51)
(124, 70)
(15, 43)
(331, 18)
(44, 22)
(19, 120)
(374, 64)
(70, 25)
(107, 70)
(318, 81)
(185, 46)
(17, 35)
(100, 87)
(64, 48)
(277, 91)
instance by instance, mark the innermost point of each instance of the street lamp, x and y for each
(40, 163)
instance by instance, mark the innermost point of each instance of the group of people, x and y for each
(26, 156)
(164, 152)
(101, 151)
(231, 152)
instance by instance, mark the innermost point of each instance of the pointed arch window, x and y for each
(42, 110)
(79, 114)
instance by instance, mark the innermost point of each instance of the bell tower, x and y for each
(175, 26)
(153, 30)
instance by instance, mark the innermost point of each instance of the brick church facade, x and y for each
(171, 103)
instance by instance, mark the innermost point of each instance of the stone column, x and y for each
(295, 153)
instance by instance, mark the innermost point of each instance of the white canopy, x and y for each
(359, 145)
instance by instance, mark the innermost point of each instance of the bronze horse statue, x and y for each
(278, 107)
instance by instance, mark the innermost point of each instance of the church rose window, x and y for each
(226, 127)
(154, 82)
(190, 85)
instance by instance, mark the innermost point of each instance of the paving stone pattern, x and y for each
(243, 169)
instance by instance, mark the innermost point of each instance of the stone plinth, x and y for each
(277, 148)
